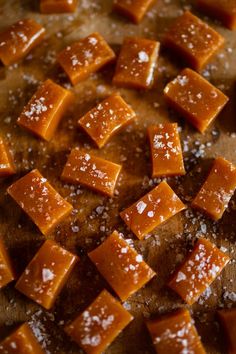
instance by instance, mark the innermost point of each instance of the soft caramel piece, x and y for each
(121, 266)
(22, 341)
(107, 118)
(224, 10)
(175, 333)
(193, 40)
(195, 99)
(153, 209)
(136, 63)
(215, 194)
(6, 271)
(166, 151)
(44, 111)
(85, 57)
(91, 171)
(96, 328)
(198, 271)
(46, 274)
(7, 167)
(57, 6)
(40, 201)
(133, 9)
(18, 40)
(228, 321)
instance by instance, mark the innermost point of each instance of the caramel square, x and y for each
(136, 63)
(18, 40)
(46, 274)
(57, 6)
(121, 266)
(193, 40)
(96, 328)
(85, 57)
(6, 270)
(91, 171)
(175, 333)
(223, 10)
(215, 194)
(135, 10)
(40, 201)
(22, 341)
(228, 321)
(153, 209)
(166, 151)
(44, 111)
(198, 271)
(196, 99)
(7, 167)
(106, 119)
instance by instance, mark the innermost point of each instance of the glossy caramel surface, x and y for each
(166, 150)
(57, 6)
(175, 333)
(22, 341)
(122, 267)
(44, 205)
(195, 99)
(193, 40)
(215, 194)
(17, 40)
(6, 269)
(91, 171)
(99, 324)
(134, 10)
(44, 111)
(46, 274)
(107, 118)
(136, 63)
(198, 271)
(151, 210)
(7, 167)
(82, 58)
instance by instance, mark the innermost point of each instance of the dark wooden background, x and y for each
(88, 224)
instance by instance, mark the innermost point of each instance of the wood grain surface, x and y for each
(94, 217)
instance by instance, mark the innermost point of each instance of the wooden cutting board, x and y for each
(94, 216)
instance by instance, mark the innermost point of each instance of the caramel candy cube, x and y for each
(7, 167)
(108, 117)
(136, 63)
(85, 57)
(228, 321)
(133, 9)
(121, 266)
(195, 98)
(40, 201)
(215, 194)
(44, 111)
(18, 40)
(57, 6)
(46, 274)
(198, 271)
(22, 341)
(193, 40)
(96, 328)
(153, 209)
(224, 10)
(166, 151)
(91, 171)
(6, 271)
(175, 333)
